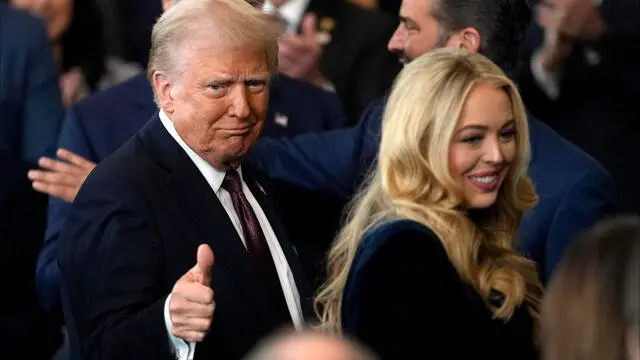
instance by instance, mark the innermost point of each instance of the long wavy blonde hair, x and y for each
(412, 181)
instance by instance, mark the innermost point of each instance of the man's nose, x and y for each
(239, 102)
(396, 43)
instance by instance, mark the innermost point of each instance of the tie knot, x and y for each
(232, 182)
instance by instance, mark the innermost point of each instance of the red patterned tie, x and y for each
(257, 246)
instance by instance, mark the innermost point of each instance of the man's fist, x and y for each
(191, 307)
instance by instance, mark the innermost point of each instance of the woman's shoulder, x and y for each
(398, 240)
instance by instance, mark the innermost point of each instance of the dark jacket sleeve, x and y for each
(330, 161)
(112, 270)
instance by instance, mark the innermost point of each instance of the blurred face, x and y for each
(55, 13)
(314, 347)
(483, 146)
(219, 102)
(417, 33)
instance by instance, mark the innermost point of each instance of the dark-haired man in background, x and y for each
(574, 190)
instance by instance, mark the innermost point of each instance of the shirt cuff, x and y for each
(180, 348)
(549, 82)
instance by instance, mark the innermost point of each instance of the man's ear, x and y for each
(467, 38)
(162, 88)
(166, 4)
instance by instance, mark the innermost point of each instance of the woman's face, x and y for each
(55, 13)
(483, 146)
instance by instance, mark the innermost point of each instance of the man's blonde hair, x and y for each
(234, 24)
(412, 181)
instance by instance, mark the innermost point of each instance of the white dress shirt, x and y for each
(292, 11)
(549, 81)
(214, 178)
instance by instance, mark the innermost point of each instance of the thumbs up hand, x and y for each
(192, 300)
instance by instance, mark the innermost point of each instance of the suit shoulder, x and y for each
(31, 30)
(397, 240)
(134, 89)
(18, 20)
(122, 169)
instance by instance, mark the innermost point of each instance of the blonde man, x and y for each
(137, 251)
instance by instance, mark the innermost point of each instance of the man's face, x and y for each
(417, 33)
(219, 102)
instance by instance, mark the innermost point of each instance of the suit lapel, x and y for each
(202, 207)
(302, 283)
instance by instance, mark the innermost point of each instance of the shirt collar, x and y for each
(212, 175)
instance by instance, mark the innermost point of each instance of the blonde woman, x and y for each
(424, 267)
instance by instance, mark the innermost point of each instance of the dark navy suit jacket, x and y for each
(100, 124)
(31, 109)
(574, 190)
(134, 230)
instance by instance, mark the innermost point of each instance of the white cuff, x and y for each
(181, 349)
(549, 82)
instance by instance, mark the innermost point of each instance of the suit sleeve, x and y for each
(112, 272)
(73, 138)
(411, 303)
(334, 114)
(43, 110)
(589, 200)
(332, 161)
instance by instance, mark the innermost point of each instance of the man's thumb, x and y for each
(204, 264)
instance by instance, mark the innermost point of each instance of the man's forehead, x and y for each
(415, 9)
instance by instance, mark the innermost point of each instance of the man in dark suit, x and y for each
(340, 46)
(132, 284)
(574, 190)
(582, 79)
(30, 102)
(95, 127)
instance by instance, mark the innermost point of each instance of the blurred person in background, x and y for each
(425, 264)
(31, 109)
(308, 344)
(592, 308)
(31, 112)
(581, 77)
(75, 28)
(337, 46)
